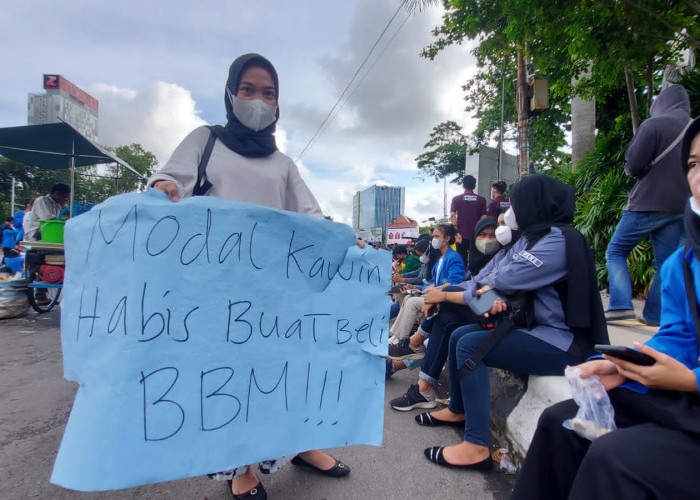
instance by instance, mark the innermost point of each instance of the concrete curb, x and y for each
(541, 393)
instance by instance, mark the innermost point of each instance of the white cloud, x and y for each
(158, 117)
(124, 54)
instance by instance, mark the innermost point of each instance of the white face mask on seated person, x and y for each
(437, 243)
(487, 246)
(424, 259)
(504, 235)
(510, 220)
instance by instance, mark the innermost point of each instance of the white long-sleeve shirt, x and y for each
(272, 181)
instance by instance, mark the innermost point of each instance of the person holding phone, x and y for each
(551, 261)
(653, 453)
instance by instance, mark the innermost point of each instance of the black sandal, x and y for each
(435, 455)
(257, 492)
(428, 420)
(339, 469)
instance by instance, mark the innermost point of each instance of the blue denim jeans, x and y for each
(666, 232)
(450, 318)
(394, 310)
(517, 351)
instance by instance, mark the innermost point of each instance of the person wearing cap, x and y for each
(45, 207)
(245, 165)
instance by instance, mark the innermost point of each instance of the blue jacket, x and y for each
(452, 270)
(9, 238)
(676, 336)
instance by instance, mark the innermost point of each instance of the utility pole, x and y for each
(503, 107)
(522, 101)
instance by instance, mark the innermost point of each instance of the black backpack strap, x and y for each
(503, 324)
(203, 185)
(690, 292)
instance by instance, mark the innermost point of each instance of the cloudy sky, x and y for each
(159, 68)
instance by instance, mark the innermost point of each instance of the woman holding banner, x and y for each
(240, 162)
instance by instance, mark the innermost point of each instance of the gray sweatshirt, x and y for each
(273, 181)
(661, 188)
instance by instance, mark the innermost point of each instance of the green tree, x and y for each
(446, 152)
(626, 45)
(91, 184)
(144, 162)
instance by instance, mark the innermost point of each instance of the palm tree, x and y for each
(418, 5)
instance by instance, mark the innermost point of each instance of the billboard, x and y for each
(401, 234)
(58, 82)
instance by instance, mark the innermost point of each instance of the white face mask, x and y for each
(509, 219)
(437, 243)
(504, 235)
(253, 114)
(424, 259)
(486, 246)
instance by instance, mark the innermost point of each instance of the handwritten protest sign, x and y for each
(208, 334)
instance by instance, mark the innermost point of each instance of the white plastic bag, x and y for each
(596, 415)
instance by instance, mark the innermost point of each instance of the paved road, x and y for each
(35, 402)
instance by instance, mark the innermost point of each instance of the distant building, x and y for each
(402, 230)
(64, 101)
(484, 167)
(377, 206)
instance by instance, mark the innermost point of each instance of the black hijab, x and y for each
(477, 260)
(691, 220)
(541, 202)
(235, 135)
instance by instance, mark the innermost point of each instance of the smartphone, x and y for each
(480, 304)
(626, 353)
(432, 312)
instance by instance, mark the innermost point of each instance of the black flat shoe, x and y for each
(339, 469)
(435, 455)
(257, 492)
(428, 420)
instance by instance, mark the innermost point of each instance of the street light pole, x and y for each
(523, 117)
(12, 196)
(503, 107)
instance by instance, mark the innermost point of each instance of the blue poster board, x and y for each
(208, 334)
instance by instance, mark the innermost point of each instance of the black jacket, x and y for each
(661, 188)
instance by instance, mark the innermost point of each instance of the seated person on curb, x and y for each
(407, 350)
(404, 261)
(419, 276)
(653, 453)
(452, 314)
(553, 262)
(448, 269)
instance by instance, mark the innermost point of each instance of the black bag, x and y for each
(520, 314)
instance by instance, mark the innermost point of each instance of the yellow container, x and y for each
(52, 230)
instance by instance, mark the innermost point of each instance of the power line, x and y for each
(376, 60)
(347, 87)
